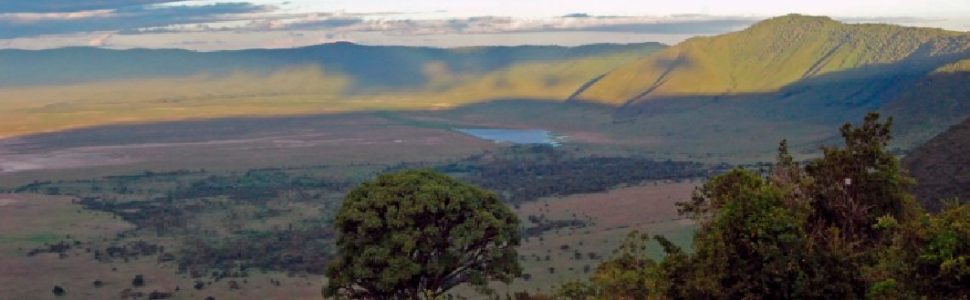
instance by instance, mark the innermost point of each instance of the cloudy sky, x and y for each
(236, 24)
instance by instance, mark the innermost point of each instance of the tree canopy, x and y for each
(844, 226)
(416, 234)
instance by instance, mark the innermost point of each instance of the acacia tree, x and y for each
(627, 273)
(416, 234)
(856, 184)
(751, 244)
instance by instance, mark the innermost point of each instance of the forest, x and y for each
(843, 226)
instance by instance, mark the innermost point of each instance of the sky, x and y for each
(209, 25)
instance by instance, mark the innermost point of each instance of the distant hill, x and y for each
(942, 166)
(58, 89)
(791, 77)
(933, 103)
(801, 69)
(370, 67)
(777, 53)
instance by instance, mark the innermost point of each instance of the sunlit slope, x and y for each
(309, 88)
(556, 80)
(775, 53)
(28, 110)
(956, 67)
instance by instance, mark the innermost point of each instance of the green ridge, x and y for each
(775, 53)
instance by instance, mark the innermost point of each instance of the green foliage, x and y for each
(855, 185)
(576, 290)
(928, 257)
(751, 247)
(529, 172)
(845, 227)
(415, 234)
(626, 275)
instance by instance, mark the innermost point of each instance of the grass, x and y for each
(358, 143)
(31, 239)
(32, 221)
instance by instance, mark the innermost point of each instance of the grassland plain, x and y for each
(355, 141)
(371, 139)
(610, 216)
(53, 240)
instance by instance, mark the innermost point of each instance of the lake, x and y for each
(514, 136)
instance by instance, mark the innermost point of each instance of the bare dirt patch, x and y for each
(629, 206)
(5, 202)
(565, 254)
(228, 145)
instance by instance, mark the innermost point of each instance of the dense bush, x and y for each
(843, 227)
(416, 234)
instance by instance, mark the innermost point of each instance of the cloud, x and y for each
(121, 18)
(889, 20)
(33, 17)
(694, 24)
(100, 41)
(52, 6)
(345, 23)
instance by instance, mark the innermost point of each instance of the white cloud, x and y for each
(31, 17)
(276, 23)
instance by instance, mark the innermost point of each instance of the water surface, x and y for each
(514, 136)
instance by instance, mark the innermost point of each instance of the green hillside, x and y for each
(739, 92)
(942, 167)
(81, 87)
(370, 67)
(933, 103)
(775, 53)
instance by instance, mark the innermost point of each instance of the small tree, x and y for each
(625, 275)
(416, 234)
(576, 290)
(854, 185)
(751, 245)
(138, 280)
(58, 291)
(929, 257)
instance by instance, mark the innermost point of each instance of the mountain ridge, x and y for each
(773, 54)
(797, 72)
(367, 64)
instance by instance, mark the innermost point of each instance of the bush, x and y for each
(407, 234)
(138, 281)
(58, 291)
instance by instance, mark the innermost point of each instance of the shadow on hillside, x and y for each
(923, 102)
(807, 111)
(370, 67)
